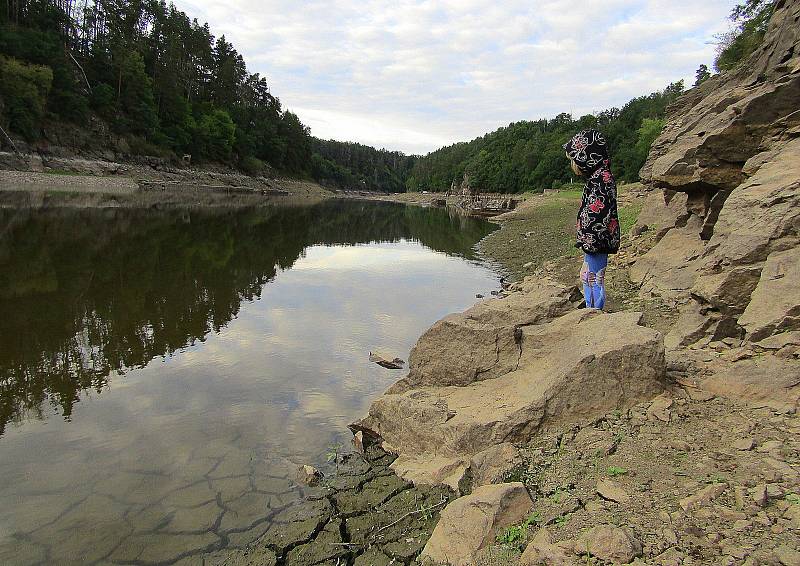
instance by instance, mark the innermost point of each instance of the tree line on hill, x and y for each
(151, 75)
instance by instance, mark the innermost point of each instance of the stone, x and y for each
(744, 444)
(774, 306)
(762, 381)
(661, 211)
(494, 465)
(759, 494)
(702, 497)
(541, 551)
(472, 522)
(593, 442)
(787, 555)
(611, 491)
(577, 367)
(308, 475)
(481, 342)
(610, 543)
(659, 409)
(671, 266)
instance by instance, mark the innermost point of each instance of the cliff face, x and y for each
(732, 146)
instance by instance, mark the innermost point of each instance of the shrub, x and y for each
(24, 89)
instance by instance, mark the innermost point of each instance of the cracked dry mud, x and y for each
(363, 515)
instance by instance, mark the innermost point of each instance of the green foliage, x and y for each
(349, 165)
(793, 498)
(701, 75)
(515, 534)
(24, 89)
(614, 471)
(752, 18)
(214, 135)
(158, 77)
(528, 156)
(252, 165)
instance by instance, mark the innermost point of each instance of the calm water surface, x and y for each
(162, 373)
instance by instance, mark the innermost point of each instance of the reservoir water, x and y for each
(163, 372)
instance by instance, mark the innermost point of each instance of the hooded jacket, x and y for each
(598, 222)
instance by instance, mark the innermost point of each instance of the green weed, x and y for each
(614, 471)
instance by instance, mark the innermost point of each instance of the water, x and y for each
(162, 373)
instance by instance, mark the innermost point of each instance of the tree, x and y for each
(24, 88)
(701, 75)
(751, 19)
(214, 135)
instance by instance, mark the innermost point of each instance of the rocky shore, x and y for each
(664, 431)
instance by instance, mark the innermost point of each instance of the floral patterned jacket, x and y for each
(598, 222)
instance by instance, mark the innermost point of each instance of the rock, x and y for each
(759, 494)
(542, 552)
(592, 442)
(610, 491)
(610, 543)
(671, 266)
(765, 381)
(702, 497)
(472, 522)
(775, 304)
(494, 464)
(659, 408)
(744, 444)
(308, 475)
(577, 367)
(661, 211)
(787, 555)
(358, 442)
(481, 342)
(780, 341)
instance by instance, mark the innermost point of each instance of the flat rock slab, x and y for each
(573, 368)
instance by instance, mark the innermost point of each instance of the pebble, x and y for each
(744, 444)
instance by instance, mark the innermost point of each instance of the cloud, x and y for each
(416, 75)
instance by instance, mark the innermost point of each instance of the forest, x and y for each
(528, 156)
(144, 78)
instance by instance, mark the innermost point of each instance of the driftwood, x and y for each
(396, 363)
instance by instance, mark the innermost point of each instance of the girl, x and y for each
(598, 223)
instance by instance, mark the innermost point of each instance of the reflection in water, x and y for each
(197, 357)
(83, 294)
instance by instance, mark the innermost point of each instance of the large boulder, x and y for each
(481, 342)
(472, 522)
(573, 368)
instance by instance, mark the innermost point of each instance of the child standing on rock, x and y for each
(598, 223)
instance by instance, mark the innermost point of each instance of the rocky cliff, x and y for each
(726, 179)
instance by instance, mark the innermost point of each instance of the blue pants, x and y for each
(593, 275)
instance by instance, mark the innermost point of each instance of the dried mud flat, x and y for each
(362, 514)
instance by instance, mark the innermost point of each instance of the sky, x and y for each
(418, 75)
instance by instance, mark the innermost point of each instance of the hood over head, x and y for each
(588, 150)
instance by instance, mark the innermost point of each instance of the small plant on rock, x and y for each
(515, 534)
(615, 471)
